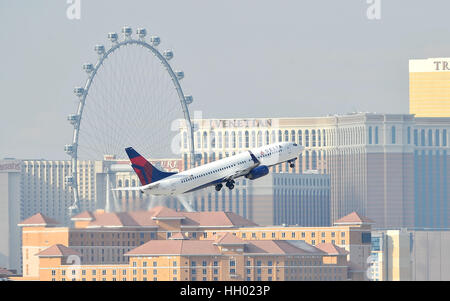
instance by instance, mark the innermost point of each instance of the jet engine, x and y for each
(257, 172)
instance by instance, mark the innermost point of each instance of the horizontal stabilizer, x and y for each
(140, 188)
(127, 189)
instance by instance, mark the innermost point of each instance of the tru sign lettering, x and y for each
(441, 65)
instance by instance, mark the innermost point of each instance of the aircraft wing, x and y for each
(244, 172)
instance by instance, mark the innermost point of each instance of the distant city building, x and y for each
(429, 87)
(10, 208)
(410, 254)
(107, 241)
(31, 186)
(275, 199)
(390, 167)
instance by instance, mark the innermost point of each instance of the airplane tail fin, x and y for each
(146, 172)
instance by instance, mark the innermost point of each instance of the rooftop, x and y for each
(211, 247)
(354, 218)
(57, 251)
(39, 220)
(149, 218)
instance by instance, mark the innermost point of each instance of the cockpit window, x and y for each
(295, 144)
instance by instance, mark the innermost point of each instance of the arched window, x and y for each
(430, 138)
(422, 137)
(416, 138)
(253, 139)
(259, 138)
(205, 140)
(267, 137)
(219, 140)
(313, 134)
(286, 136)
(240, 139)
(212, 136)
(280, 136)
(233, 139)
(318, 138)
(376, 135)
(444, 138)
(292, 135)
(300, 140)
(247, 139)
(324, 139)
(306, 138)
(306, 160)
(437, 138)
(314, 160)
(227, 145)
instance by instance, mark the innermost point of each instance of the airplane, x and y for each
(251, 164)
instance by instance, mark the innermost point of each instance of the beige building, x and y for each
(410, 254)
(102, 239)
(429, 87)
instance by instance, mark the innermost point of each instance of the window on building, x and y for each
(430, 138)
(393, 135)
(376, 135)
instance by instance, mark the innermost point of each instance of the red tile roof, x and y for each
(228, 239)
(161, 212)
(39, 220)
(148, 218)
(210, 247)
(278, 247)
(354, 218)
(215, 218)
(86, 215)
(175, 247)
(57, 251)
(332, 249)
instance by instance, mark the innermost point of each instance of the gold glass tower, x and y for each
(429, 87)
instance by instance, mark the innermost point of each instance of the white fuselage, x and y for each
(224, 169)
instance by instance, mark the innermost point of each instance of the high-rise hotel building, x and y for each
(429, 87)
(392, 168)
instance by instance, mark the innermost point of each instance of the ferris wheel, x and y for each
(131, 97)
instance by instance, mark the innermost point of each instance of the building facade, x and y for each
(275, 199)
(103, 239)
(225, 258)
(375, 162)
(410, 254)
(429, 87)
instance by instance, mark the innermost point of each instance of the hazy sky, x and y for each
(241, 58)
